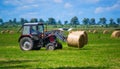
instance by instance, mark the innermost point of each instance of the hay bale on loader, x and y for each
(77, 39)
(115, 34)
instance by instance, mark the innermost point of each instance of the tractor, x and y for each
(33, 37)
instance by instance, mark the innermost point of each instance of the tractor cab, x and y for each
(33, 29)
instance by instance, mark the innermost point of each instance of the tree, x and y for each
(34, 20)
(118, 21)
(59, 22)
(66, 22)
(86, 21)
(112, 23)
(51, 21)
(1, 21)
(74, 21)
(14, 20)
(92, 21)
(22, 21)
(102, 21)
(41, 20)
(10, 21)
(26, 21)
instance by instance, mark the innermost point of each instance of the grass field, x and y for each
(101, 52)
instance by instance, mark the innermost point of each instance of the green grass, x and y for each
(101, 52)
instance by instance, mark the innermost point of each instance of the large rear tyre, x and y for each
(26, 44)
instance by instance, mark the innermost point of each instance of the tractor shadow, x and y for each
(15, 64)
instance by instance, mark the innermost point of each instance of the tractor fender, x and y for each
(23, 37)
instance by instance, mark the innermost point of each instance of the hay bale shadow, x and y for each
(89, 67)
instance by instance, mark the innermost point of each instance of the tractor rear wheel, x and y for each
(26, 43)
(50, 46)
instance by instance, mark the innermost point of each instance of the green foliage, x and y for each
(92, 21)
(34, 20)
(41, 20)
(86, 21)
(1, 20)
(51, 21)
(74, 21)
(102, 21)
(118, 21)
(101, 52)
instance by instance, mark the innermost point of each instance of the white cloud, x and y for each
(109, 8)
(67, 5)
(80, 13)
(30, 15)
(23, 2)
(91, 1)
(99, 10)
(26, 7)
(58, 1)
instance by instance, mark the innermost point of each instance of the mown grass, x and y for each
(101, 52)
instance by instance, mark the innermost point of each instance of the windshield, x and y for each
(40, 28)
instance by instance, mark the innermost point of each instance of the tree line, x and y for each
(73, 22)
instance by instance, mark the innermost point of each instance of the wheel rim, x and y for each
(26, 45)
(51, 48)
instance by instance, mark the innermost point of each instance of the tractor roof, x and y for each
(33, 23)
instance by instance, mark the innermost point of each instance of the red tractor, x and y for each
(33, 37)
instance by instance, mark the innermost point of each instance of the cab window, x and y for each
(26, 30)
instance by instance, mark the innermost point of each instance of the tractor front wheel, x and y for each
(50, 46)
(26, 43)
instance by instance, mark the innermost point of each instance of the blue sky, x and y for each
(59, 9)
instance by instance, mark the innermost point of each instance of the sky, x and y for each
(59, 9)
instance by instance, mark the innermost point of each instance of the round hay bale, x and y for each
(115, 34)
(77, 39)
(89, 31)
(95, 31)
(7, 31)
(84, 34)
(105, 32)
(11, 32)
(2, 32)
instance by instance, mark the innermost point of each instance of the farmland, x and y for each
(101, 52)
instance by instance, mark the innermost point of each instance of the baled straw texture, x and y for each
(105, 32)
(11, 32)
(115, 34)
(94, 31)
(77, 39)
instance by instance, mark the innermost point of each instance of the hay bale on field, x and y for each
(95, 31)
(115, 34)
(2, 32)
(7, 31)
(89, 31)
(105, 32)
(77, 39)
(84, 34)
(11, 32)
